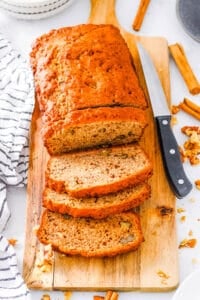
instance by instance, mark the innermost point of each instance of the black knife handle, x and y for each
(179, 182)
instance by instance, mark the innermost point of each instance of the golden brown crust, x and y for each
(100, 208)
(84, 66)
(90, 115)
(123, 234)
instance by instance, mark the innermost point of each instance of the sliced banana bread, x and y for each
(89, 237)
(92, 127)
(96, 207)
(98, 171)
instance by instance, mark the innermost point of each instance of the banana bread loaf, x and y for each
(98, 171)
(96, 207)
(89, 237)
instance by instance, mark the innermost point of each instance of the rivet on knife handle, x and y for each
(171, 157)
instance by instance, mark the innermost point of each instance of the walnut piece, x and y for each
(12, 242)
(197, 183)
(191, 148)
(188, 243)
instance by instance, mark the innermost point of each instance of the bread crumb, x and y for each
(197, 183)
(180, 210)
(188, 243)
(190, 233)
(182, 154)
(195, 261)
(192, 200)
(12, 242)
(67, 295)
(45, 268)
(164, 276)
(45, 297)
(35, 229)
(174, 121)
(182, 218)
(175, 109)
(44, 260)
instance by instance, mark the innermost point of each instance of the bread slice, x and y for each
(89, 237)
(84, 66)
(96, 207)
(98, 171)
(88, 128)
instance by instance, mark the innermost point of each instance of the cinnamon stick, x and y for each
(111, 295)
(142, 8)
(191, 108)
(185, 69)
(192, 105)
(108, 295)
(188, 110)
(114, 296)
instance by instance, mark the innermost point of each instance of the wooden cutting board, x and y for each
(155, 265)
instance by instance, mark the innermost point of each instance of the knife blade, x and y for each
(177, 178)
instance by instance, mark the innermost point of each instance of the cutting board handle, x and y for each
(103, 12)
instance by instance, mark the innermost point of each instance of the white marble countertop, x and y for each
(160, 20)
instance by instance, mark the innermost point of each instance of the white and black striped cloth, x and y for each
(16, 106)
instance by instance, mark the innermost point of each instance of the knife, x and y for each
(177, 178)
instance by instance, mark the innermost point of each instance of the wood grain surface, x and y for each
(155, 265)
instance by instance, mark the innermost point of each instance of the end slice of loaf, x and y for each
(99, 171)
(88, 128)
(96, 207)
(88, 237)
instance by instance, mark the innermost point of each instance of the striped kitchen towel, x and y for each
(16, 106)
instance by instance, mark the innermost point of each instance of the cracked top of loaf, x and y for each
(84, 66)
